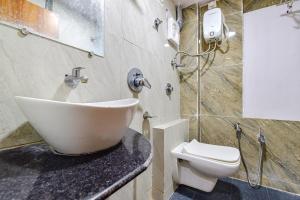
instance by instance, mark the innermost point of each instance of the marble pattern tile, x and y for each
(281, 163)
(188, 37)
(228, 7)
(189, 94)
(194, 131)
(281, 185)
(250, 5)
(220, 86)
(190, 13)
(23, 135)
(188, 44)
(189, 85)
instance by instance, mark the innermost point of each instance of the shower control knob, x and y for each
(169, 89)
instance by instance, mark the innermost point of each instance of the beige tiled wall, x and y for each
(250, 5)
(138, 189)
(189, 83)
(218, 88)
(35, 67)
(165, 138)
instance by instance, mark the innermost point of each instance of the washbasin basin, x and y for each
(79, 128)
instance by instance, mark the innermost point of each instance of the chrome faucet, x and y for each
(261, 137)
(238, 130)
(141, 81)
(74, 79)
(146, 115)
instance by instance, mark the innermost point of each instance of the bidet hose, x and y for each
(258, 175)
(255, 184)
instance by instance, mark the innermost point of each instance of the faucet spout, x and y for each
(84, 79)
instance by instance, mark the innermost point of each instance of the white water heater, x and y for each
(213, 24)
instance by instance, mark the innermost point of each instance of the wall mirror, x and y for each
(77, 23)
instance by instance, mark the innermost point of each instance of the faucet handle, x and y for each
(79, 68)
(146, 115)
(146, 83)
(76, 71)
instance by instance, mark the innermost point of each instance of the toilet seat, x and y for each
(212, 152)
(208, 166)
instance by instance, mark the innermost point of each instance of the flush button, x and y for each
(211, 33)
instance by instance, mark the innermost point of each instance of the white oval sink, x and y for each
(79, 128)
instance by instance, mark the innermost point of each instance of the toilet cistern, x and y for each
(72, 80)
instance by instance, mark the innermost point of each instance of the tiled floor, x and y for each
(230, 189)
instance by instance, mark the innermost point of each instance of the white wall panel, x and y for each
(271, 74)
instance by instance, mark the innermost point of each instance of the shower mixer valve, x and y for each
(157, 22)
(169, 89)
(136, 80)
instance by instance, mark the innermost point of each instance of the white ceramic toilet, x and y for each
(200, 165)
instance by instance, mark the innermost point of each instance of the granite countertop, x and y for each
(34, 172)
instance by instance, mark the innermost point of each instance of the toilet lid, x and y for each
(214, 152)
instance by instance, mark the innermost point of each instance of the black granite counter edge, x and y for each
(33, 172)
(126, 179)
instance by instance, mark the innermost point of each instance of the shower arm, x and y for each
(206, 52)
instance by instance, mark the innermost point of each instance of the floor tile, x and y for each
(222, 191)
(232, 189)
(242, 191)
(278, 195)
(183, 193)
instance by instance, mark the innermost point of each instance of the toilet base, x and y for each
(187, 175)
